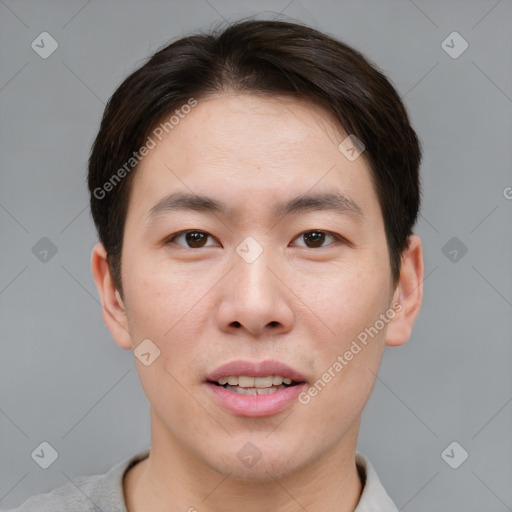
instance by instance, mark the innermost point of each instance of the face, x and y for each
(285, 292)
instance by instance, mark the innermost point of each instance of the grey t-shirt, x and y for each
(104, 493)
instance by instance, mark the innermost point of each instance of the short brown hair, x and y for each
(259, 56)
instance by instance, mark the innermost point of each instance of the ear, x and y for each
(408, 293)
(114, 313)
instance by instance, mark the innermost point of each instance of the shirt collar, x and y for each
(374, 497)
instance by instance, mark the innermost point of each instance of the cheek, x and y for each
(161, 297)
(348, 356)
(168, 306)
(348, 301)
(164, 308)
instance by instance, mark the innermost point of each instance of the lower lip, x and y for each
(255, 405)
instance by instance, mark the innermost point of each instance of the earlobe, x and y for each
(408, 293)
(114, 314)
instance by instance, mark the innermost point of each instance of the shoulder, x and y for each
(71, 497)
(85, 493)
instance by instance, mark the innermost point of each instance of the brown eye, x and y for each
(315, 239)
(193, 239)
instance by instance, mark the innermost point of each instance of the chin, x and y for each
(262, 472)
(263, 466)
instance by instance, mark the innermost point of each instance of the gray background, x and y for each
(64, 380)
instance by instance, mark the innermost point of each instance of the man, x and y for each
(254, 192)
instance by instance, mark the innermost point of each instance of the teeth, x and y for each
(254, 391)
(254, 382)
(276, 380)
(261, 382)
(246, 382)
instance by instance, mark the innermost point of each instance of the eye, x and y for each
(316, 238)
(197, 239)
(194, 239)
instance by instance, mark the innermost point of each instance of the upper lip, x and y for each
(255, 369)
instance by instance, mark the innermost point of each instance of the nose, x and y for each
(255, 297)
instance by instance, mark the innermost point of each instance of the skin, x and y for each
(297, 303)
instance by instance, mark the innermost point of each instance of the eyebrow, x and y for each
(328, 201)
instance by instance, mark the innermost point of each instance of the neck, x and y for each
(172, 478)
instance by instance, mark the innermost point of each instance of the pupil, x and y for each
(195, 238)
(316, 237)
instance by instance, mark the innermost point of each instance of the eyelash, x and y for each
(172, 238)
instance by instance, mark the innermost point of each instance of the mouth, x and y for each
(254, 389)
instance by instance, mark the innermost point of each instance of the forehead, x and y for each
(255, 129)
(250, 149)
